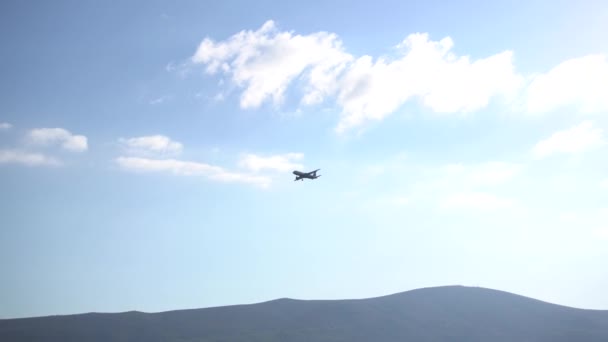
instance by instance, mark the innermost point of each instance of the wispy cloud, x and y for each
(265, 62)
(182, 69)
(5, 126)
(475, 201)
(189, 168)
(482, 174)
(160, 100)
(601, 218)
(152, 144)
(389, 201)
(59, 136)
(582, 82)
(150, 154)
(282, 163)
(27, 158)
(468, 185)
(579, 138)
(602, 233)
(569, 217)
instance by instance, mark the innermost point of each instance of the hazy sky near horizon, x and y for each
(146, 151)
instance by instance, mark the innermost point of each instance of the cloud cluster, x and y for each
(265, 62)
(582, 82)
(152, 144)
(12, 156)
(579, 138)
(188, 168)
(149, 154)
(470, 185)
(281, 162)
(42, 137)
(426, 70)
(58, 136)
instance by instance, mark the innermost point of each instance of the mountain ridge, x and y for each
(396, 294)
(454, 313)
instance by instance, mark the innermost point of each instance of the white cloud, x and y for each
(188, 168)
(266, 61)
(475, 201)
(427, 70)
(152, 144)
(5, 125)
(580, 81)
(26, 158)
(577, 139)
(282, 163)
(50, 136)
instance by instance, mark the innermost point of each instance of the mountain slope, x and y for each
(451, 313)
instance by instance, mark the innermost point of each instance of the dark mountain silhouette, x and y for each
(451, 313)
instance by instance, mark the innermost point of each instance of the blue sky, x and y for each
(146, 152)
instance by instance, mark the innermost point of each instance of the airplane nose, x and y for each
(294, 173)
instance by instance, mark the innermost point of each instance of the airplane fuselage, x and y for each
(309, 175)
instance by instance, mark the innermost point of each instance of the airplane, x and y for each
(310, 175)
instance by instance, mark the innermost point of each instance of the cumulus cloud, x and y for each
(5, 126)
(475, 201)
(152, 144)
(188, 168)
(427, 70)
(281, 163)
(580, 81)
(266, 61)
(577, 139)
(59, 136)
(26, 158)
